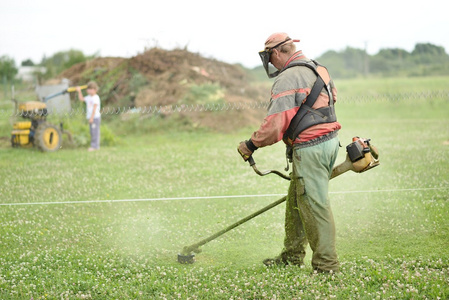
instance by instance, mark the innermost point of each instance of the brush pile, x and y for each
(176, 78)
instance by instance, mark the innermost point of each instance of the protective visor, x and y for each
(265, 57)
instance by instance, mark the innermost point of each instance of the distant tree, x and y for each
(393, 54)
(388, 61)
(27, 63)
(429, 53)
(354, 59)
(8, 68)
(428, 48)
(61, 61)
(334, 62)
(348, 63)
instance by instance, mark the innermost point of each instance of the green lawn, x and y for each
(109, 224)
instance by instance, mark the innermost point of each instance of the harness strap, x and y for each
(321, 82)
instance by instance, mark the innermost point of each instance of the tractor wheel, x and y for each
(48, 137)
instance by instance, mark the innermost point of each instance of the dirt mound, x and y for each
(159, 77)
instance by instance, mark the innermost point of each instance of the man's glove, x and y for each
(246, 149)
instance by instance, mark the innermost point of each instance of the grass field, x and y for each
(109, 224)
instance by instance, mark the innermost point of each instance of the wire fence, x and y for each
(216, 107)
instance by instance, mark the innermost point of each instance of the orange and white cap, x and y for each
(277, 39)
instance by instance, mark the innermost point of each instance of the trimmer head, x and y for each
(186, 259)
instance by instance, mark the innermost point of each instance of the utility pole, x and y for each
(366, 60)
(5, 86)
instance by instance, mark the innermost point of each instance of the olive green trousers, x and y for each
(308, 216)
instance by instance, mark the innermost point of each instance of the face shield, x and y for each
(265, 57)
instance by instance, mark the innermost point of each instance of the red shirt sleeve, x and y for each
(273, 127)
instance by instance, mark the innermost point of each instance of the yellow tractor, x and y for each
(36, 130)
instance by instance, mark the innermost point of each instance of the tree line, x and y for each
(425, 60)
(53, 65)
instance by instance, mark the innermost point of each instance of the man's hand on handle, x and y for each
(246, 149)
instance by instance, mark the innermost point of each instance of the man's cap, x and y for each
(277, 39)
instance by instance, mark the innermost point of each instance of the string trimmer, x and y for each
(361, 156)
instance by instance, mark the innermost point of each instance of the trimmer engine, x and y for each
(361, 156)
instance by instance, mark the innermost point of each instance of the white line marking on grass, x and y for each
(139, 200)
(390, 190)
(207, 197)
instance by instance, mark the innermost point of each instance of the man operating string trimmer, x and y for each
(301, 113)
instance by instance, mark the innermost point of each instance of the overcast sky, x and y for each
(232, 31)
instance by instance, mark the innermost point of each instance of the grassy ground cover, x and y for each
(109, 224)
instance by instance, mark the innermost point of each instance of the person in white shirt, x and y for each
(93, 115)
